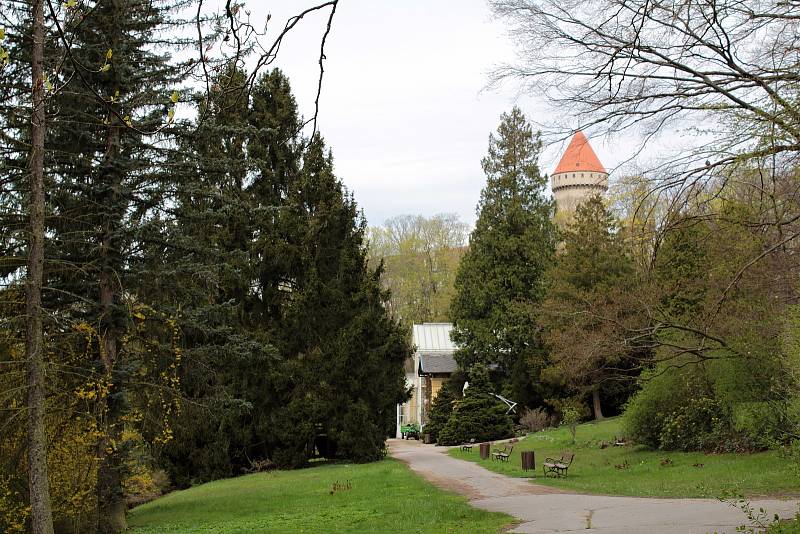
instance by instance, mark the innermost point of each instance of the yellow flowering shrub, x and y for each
(14, 511)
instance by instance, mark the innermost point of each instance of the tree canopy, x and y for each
(588, 312)
(500, 280)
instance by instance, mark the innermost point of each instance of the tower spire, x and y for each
(579, 174)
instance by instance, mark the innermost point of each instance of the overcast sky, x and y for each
(403, 102)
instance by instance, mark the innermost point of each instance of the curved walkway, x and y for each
(541, 509)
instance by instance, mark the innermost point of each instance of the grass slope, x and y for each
(384, 497)
(594, 471)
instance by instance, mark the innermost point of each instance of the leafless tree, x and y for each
(730, 69)
(725, 71)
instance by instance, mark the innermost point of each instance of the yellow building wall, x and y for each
(436, 385)
(411, 408)
(431, 387)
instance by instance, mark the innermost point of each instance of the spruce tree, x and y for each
(105, 183)
(478, 415)
(442, 406)
(500, 279)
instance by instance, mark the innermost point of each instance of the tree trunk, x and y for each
(111, 499)
(598, 409)
(41, 511)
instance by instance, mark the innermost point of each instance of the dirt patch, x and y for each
(449, 484)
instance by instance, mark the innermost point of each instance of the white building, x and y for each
(430, 366)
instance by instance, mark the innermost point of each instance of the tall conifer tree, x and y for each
(303, 346)
(589, 306)
(103, 184)
(500, 280)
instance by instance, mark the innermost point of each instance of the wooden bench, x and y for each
(468, 445)
(558, 467)
(502, 454)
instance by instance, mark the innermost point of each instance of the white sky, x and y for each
(403, 103)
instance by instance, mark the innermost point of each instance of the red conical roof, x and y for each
(579, 156)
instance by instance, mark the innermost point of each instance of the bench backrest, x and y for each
(567, 457)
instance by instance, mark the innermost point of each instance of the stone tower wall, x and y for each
(572, 188)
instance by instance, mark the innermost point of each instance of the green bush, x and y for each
(360, 439)
(478, 415)
(695, 426)
(442, 408)
(760, 423)
(646, 414)
(698, 407)
(787, 527)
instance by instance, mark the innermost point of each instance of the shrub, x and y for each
(144, 484)
(571, 411)
(692, 427)
(441, 409)
(478, 415)
(536, 420)
(698, 408)
(360, 439)
(760, 425)
(662, 394)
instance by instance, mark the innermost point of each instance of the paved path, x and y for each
(542, 509)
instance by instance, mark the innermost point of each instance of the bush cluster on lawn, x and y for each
(705, 409)
(478, 415)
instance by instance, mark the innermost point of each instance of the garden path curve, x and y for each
(541, 509)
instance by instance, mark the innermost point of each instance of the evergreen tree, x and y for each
(103, 183)
(589, 305)
(107, 183)
(500, 279)
(442, 406)
(208, 270)
(338, 337)
(478, 415)
(293, 325)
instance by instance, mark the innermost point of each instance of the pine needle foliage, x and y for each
(500, 283)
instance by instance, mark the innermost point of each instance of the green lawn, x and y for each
(384, 497)
(594, 471)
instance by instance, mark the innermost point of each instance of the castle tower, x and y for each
(578, 175)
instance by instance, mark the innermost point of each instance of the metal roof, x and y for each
(433, 337)
(437, 363)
